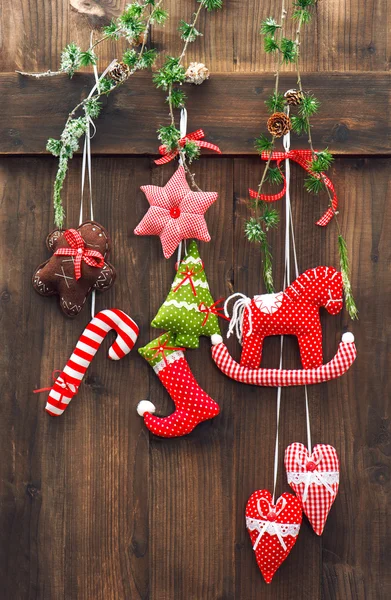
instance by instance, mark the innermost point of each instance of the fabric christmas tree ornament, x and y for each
(192, 404)
(189, 309)
(176, 212)
(273, 529)
(315, 480)
(77, 267)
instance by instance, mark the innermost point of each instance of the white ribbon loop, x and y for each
(236, 322)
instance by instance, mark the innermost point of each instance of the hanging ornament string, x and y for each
(86, 160)
(183, 130)
(289, 232)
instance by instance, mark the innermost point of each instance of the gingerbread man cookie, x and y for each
(78, 266)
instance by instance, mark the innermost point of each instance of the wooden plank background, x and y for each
(91, 505)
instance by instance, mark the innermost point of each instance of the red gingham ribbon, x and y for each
(93, 258)
(212, 310)
(303, 158)
(161, 349)
(188, 276)
(195, 136)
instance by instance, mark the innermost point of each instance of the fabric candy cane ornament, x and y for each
(78, 266)
(67, 383)
(315, 480)
(273, 529)
(192, 404)
(176, 212)
(189, 309)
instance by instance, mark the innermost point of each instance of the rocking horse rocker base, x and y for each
(292, 312)
(341, 362)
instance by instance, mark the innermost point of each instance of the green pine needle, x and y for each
(299, 124)
(178, 98)
(322, 162)
(269, 26)
(313, 184)
(289, 50)
(345, 271)
(274, 176)
(188, 32)
(275, 103)
(270, 44)
(263, 144)
(309, 106)
(211, 4)
(87, 58)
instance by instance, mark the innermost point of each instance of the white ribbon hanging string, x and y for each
(86, 161)
(183, 131)
(288, 233)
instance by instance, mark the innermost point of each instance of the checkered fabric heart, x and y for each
(315, 480)
(176, 212)
(273, 529)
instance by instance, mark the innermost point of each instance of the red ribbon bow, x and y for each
(195, 136)
(212, 310)
(303, 158)
(92, 258)
(62, 383)
(161, 349)
(188, 275)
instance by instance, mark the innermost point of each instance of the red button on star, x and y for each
(175, 212)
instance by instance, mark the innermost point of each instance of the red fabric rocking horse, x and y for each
(292, 312)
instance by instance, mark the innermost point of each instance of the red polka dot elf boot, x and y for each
(192, 404)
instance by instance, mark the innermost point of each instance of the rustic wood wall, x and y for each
(92, 506)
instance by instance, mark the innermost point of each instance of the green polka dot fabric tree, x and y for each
(189, 309)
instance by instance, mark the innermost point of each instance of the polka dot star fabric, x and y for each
(273, 529)
(315, 480)
(192, 404)
(189, 310)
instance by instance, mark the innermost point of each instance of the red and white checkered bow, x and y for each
(195, 136)
(304, 159)
(77, 248)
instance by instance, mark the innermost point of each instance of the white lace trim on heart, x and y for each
(170, 358)
(330, 477)
(269, 303)
(182, 304)
(281, 530)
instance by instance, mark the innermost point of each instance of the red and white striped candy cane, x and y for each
(67, 383)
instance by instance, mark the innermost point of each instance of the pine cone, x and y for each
(119, 72)
(196, 73)
(293, 97)
(279, 124)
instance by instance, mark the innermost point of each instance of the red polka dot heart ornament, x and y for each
(314, 477)
(176, 212)
(273, 529)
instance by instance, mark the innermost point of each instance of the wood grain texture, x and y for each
(230, 109)
(345, 35)
(94, 507)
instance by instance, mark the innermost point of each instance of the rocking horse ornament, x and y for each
(295, 311)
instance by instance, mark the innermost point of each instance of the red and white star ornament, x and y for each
(273, 529)
(315, 480)
(175, 213)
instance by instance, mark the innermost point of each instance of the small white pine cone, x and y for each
(196, 73)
